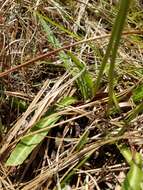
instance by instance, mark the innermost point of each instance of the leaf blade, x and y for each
(28, 143)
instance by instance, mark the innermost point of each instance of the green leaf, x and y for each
(80, 144)
(82, 141)
(61, 27)
(28, 143)
(138, 94)
(66, 101)
(134, 178)
(85, 81)
(116, 35)
(21, 104)
(133, 113)
(112, 48)
(70, 173)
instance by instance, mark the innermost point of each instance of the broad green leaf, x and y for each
(134, 178)
(66, 101)
(138, 94)
(28, 143)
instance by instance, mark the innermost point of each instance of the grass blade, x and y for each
(85, 81)
(113, 46)
(133, 114)
(82, 141)
(117, 32)
(61, 27)
(71, 172)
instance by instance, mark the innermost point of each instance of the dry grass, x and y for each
(79, 151)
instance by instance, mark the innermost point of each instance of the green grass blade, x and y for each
(105, 59)
(133, 114)
(82, 141)
(61, 27)
(85, 81)
(70, 174)
(116, 32)
(28, 143)
(80, 144)
(117, 28)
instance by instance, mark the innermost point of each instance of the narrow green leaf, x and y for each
(85, 81)
(116, 33)
(67, 101)
(138, 109)
(78, 63)
(71, 172)
(113, 47)
(61, 27)
(82, 141)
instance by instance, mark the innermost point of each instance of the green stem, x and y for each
(118, 28)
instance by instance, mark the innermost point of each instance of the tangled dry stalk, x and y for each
(79, 149)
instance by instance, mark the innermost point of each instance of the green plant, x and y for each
(134, 177)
